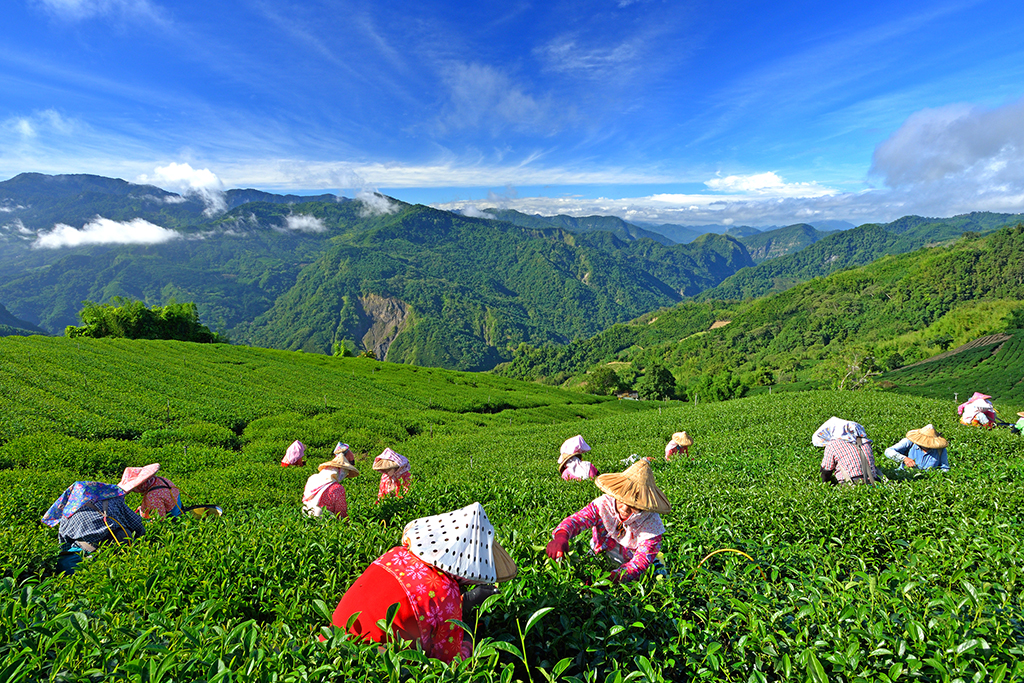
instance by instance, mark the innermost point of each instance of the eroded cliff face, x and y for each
(387, 318)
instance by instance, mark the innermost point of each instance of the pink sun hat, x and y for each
(133, 476)
(293, 456)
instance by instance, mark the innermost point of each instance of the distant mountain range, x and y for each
(411, 283)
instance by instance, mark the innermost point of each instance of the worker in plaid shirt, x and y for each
(847, 458)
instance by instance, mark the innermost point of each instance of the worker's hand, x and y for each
(558, 546)
(909, 463)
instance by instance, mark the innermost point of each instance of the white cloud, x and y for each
(473, 212)
(304, 223)
(184, 179)
(957, 158)
(480, 96)
(375, 204)
(105, 231)
(78, 10)
(766, 184)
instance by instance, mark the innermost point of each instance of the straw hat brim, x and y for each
(342, 464)
(1020, 414)
(926, 440)
(504, 566)
(383, 465)
(564, 458)
(682, 439)
(642, 495)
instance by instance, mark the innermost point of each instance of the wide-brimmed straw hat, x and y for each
(340, 462)
(635, 487)
(927, 437)
(389, 460)
(1021, 414)
(682, 439)
(978, 395)
(133, 476)
(461, 543)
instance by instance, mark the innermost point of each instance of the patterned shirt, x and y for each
(842, 455)
(89, 525)
(637, 538)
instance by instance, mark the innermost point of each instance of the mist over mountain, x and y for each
(411, 283)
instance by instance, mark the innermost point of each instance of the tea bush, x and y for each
(769, 575)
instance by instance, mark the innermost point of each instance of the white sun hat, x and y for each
(838, 428)
(461, 543)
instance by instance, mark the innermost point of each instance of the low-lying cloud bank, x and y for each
(104, 231)
(187, 181)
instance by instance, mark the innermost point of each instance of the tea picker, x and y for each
(570, 465)
(87, 515)
(847, 458)
(922, 448)
(625, 522)
(395, 477)
(679, 443)
(160, 497)
(324, 490)
(424, 578)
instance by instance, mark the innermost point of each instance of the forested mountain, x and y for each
(780, 241)
(898, 310)
(10, 325)
(612, 224)
(410, 283)
(859, 246)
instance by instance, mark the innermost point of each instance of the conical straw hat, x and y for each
(461, 543)
(927, 437)
(389, 460)
(682, 438)
(341, 463)
(635, 487)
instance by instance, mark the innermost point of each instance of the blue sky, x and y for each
(686, 112)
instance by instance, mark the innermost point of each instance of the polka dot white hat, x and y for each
(461, 543)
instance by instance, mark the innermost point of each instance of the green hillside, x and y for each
(781, 241)
(916, 579)
(900, 309)
(10, 325)
(414, 285)
(583, 224)
(993, 365)
(856, 247)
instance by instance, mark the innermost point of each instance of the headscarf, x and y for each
(977, 396)
(77, 495)
(400, 460)
(838, 428)
(632, 531)
(293, 456)
(460, 543)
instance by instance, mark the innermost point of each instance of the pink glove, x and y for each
(558, 546)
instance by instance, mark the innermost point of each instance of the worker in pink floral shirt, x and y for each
(625, 522)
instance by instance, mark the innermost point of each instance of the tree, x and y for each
(602, 381)
(131, 319)
(895, 360)
(657, 384)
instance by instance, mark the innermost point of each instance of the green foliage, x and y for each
(602, 381)
(830, 331)
(130, 319)
(657, 384)
(915, 579)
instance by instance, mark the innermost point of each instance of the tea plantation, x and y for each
(914, 580)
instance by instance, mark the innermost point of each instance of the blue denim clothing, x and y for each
(926, 458)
